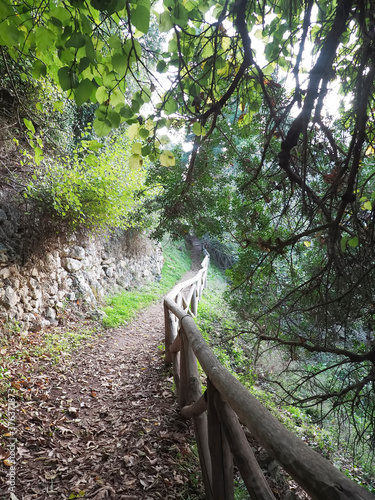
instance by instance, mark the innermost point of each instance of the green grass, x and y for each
(123, 307)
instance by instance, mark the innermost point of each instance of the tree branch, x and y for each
(303, 343)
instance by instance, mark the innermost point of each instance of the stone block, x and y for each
(76, 252)
(5, 272)
(10, 297)
(72, 265)
(50, 314)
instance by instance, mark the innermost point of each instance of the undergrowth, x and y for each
(218, 325)
(20, 350)
(123, 307)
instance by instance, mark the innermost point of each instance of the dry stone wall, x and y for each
(74, 274)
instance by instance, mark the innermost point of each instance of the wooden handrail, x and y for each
(227, 403)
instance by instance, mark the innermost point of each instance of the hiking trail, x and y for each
(104, 423)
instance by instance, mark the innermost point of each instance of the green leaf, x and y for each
(114, 42)
(198, 129)
(140, 17)
(133, 131)
(164, 139)
(83, 92)
(367, 205)
(5, 10)
(77, 40)
(135, 106)
(161, 67)
(180, 15)
(83, 64)
(117, 97)
(90, 51)
(62, 14)
(353, 242)
(86, 24)
(38, 155)
(343, 241)
(10, 34)
(120, 63)
(170, 106)
(146, 94)
(102, 127)
(110, 80)
(126, 112)
(146, 150)
(101, 95)
(39, 69)
(167, 159)
(67, 79)
(114, 118)
(109, 6)
(165, 22)
(58, 106)
(94, 145)
(66, 56)
(45, 38)
(29, 124)
(135, 161)
(144, 133)
(137, 148)
(101, 112)
(132, 50)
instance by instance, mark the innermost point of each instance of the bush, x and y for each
(95, 189)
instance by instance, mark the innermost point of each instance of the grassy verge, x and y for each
(123, 307)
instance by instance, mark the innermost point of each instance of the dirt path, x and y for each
(105, 424)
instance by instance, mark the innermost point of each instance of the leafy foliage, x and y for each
(254, 364)
(96, 190)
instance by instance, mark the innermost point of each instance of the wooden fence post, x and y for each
(221, 456)
(205, 277)
(244, 458)
(194, 393)
(183, 395)
(168, 335)
(194, 301)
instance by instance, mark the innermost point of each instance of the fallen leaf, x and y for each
(128, 460)
(49, 475)
(105, 492)
(4, 453)
(3, 428)
(72, 411)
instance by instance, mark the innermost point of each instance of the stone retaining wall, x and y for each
(74, 274)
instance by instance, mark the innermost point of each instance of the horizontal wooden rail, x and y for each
(225, 404)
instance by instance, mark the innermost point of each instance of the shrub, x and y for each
(95, 189)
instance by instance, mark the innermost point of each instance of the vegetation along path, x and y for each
(104, 423)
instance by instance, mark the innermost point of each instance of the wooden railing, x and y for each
(226, 405)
